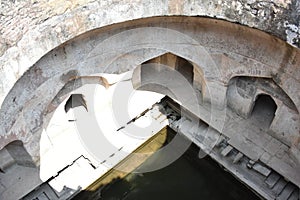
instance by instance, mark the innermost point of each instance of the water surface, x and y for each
(187, 178)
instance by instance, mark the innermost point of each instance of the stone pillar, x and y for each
(215, 93)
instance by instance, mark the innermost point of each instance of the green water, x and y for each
(187, 178)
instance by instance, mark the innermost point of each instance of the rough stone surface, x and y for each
(25, 110)
(39, 26)
(44, 43)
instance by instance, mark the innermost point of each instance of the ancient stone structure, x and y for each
(241, 56)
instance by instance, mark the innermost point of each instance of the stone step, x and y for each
(261, 169)
(272, 179)
(286, 192)
(226, 151)
(295, 195)
(279, 186)
(237, 158)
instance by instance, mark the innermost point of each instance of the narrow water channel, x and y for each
(187, 178)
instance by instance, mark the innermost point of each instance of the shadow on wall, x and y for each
(15, 153)
(19, 174)
(264, 109)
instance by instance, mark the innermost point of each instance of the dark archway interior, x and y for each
(173, 61)
(264, 110)
(185, 68)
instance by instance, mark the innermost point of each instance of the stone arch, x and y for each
(172, 61)
(253, 86)
(91, 61)
(59, 26)
(60, 23)
(71, 85)
(241, 96)
(182, 65)
(87, 54)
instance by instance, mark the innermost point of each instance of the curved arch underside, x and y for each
(218, 50)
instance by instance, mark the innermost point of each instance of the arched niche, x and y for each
(243, 90)
(264, 109)
(171, 61)
(262, 102)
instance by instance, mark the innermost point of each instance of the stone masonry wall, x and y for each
(31, 28)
